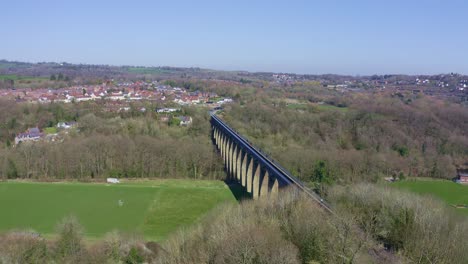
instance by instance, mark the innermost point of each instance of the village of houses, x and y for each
(116, 98)
(121, 92)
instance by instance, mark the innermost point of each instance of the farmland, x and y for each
(152, 208)
(450, 192)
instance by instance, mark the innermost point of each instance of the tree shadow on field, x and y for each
(238, 191)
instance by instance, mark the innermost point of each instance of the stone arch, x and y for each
(223, 146)
(235, 153)
(250, 173)
(256, 182)
(227, 161)
(264, 184)
(274, 188)
(239, 165)
(216, 136)
(245, 163)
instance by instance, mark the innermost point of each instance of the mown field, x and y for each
(320, 107)
(153, 208)
(450, 192)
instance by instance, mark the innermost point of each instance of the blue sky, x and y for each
(344, 37)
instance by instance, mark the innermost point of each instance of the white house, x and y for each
(83, 98)
(167, 110)
(185, 120)
(116, 96)
(225, 101)
(66, 125)
(33, 134)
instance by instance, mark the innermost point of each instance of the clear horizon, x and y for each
(234, 70)
(304, 37)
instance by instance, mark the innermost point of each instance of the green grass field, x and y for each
(21, 78)
(4, 65)
(450, 192)
(327, 107)
(153, 208)
(297, 106)
(50, 130)
(319, 107)
(144, 70)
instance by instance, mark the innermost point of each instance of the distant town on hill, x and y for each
(15, 75)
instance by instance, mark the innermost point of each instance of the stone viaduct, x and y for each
(257, 173)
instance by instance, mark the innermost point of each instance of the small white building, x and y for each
(113, 180)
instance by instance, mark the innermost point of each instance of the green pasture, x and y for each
(448, 191)
(153, 208)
